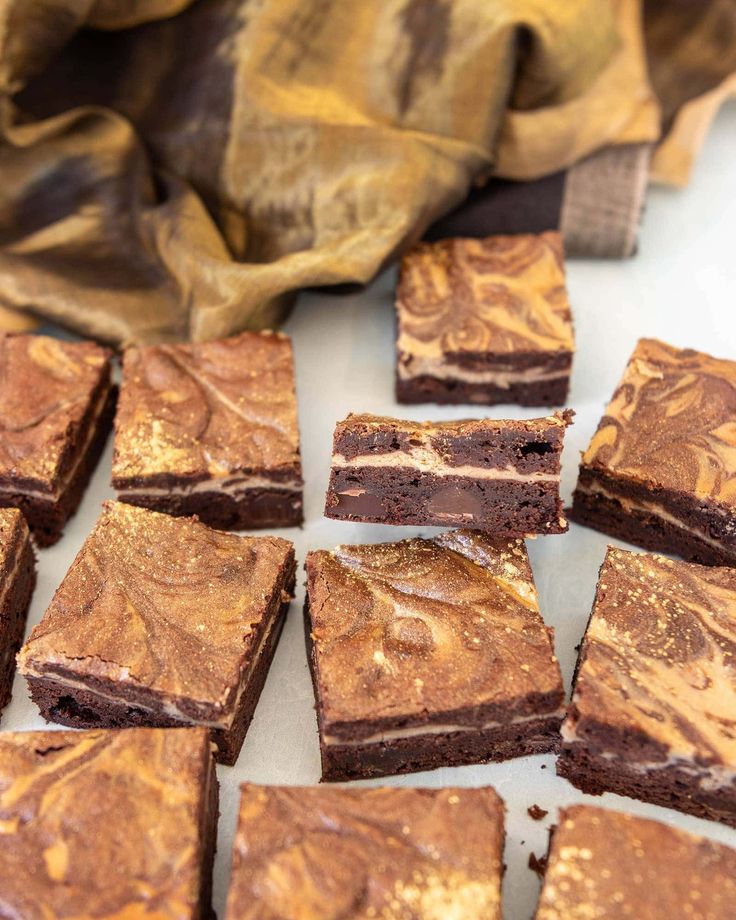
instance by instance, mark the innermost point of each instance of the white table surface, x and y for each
(681, 288)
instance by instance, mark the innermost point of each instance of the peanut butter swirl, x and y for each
(46, 390)
(208, 410)
(672, 424)
(364, 854)
(659, 661)
(499, 296)
(102, 824)
(428, 627)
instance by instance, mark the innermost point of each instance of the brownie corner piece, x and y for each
(654, 698)
(161, 621)
(501, 476)
(605, 863)
(484, 321)
(429, 653)
(17, 581)
(445, 849)
(656, 472)
(107, 823)
(52, 441)
(211, 429)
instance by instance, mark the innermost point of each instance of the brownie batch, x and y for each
(425, 652)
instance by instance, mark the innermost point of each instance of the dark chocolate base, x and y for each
(79, 708)
(449, 749)
(255, 509)
(401, 495)
(670, 787)
(645, 530)
(427, 389)
(13, 619)
(208, 836)
(47, 518)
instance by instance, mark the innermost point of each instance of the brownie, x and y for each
(660, 470)
(485, 474)
(107, 824)
(429, 653)
(654, 703)
(484, 321)
(56, 407)
(211, 429)
(607, 864)
(161, 621)
(319, 852)
(17, 581)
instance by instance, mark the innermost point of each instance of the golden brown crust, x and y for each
(103, 823)
(14, 535)
(421, 628)
(353, 854)
(503, 295)
(208, 411)
(162, 606)
(670, 424)
(606, 864)
(46, 391)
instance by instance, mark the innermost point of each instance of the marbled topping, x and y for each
(501, 295)
(102, 823)
(354, 854)
(208, 410)
(46, 389)
(672, 423)
(658, 664)
(428, 627)
(606, 864)
(160, 604)
(13, 534)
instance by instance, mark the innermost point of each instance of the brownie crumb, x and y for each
(538, 864)
(536, 813)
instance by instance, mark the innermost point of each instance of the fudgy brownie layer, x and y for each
(401, 495)
(669, 787)
(646, 530)
(255, 509)
(208, 843)
(79, 708)
(46, 518)
(427, 752)
(13, 619)
(427, 389)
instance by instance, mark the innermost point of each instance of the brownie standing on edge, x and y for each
(211, 429)
(500, 476)
(653, 712)
(107, 824)
(56, 406)
(484, 321)
(17, 581)
(161, 621)
(429, 653)
(616, 866)
(660, 470)
(320, 852)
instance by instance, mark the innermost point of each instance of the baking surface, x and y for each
(680, 288)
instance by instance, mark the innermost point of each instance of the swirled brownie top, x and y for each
(672, 423)
(208, 410)
(500, 295)
(367, 853)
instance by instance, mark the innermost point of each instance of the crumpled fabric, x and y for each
(178, 170)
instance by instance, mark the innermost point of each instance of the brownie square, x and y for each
(429, 653)
(17, 581)
(107, 824)
(323, 852)
(56, 406)
(484, 321)
(660, 469)
(211, 429)
(654, 702)
(496, 475)
(161, 621)
(607, 864)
